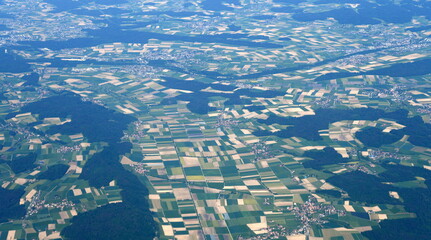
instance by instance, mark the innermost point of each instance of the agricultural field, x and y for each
(215, 119)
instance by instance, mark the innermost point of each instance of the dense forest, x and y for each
(363, 187)
(321, 158)
(417, 129)
(54, 172)
(112, 221)
(129, 220)
(417, 68)
(416, 200)
(374, 137)
(12, 63)
(9, 204)
(23, 163)
(31, 79)
(88, 118)
(198, 100)
(308, 127)
(372, 190)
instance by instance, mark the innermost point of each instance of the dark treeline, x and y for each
(198, 100)
(54, 172)
(23, 163)
(116, 33)
(375, 137)
(217, 5)
(99, 124)
(417, 129)
(399, 173)
(171, 65)
(194, 85)
(302, 66)
(255, 108)
(66, 5)
(263, 17)
(9, 204)
(31, 79)
(416, 68)
(99, 176)
(363, 187)
(331, 193)
(373, 190)
(369, 13)
(308, 127)
(128, 220)
(327, 156)
(12, 63)
(416, 200)
(112, 221)
(98, 12)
